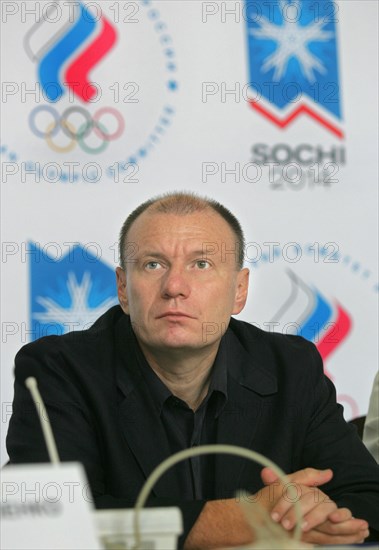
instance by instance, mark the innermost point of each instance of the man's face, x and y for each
(181, 283)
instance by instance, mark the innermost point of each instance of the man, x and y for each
(371, 427)
(170, 369)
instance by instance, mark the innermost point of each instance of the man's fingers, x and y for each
(314, 511)
(349, 527)
(308, 498)
(342, 514)
(318, 537)
(307, 476)
(268, 476)
(311, 477)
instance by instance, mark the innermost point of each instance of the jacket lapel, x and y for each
(139, 419)
(248, 385)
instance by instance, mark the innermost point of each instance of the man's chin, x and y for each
(181, 343)
(176, 338)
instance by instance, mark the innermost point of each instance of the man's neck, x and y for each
(187, 377)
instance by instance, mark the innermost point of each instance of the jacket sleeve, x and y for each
(70, 419)
(73, 426)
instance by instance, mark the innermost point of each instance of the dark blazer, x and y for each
(279, 404)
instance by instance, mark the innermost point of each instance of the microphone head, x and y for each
(31, 382)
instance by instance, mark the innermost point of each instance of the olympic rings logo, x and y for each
(76, 135)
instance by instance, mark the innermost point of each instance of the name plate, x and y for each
(47, 507)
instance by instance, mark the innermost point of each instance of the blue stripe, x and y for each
(53, 61)
(317, 319)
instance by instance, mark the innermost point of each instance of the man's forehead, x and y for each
(163, 235)
(202, 224)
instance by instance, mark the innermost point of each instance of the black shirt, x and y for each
(185, 428)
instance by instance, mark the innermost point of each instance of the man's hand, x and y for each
(222, 523)
(323, 521)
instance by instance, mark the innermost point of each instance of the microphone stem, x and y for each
(31, 384)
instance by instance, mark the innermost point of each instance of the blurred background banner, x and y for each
(268, 106)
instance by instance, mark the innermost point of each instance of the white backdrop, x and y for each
(172, 82)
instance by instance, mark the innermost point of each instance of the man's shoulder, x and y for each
(82, 346)
(249, 334)
(273, 350)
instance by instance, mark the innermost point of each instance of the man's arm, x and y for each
(222, 522)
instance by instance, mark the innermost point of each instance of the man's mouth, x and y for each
(175, 314)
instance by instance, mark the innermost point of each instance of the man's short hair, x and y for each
(181, 204)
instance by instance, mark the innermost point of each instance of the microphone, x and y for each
(31, 384)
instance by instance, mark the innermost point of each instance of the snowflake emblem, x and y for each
(79, 315)
(292, 41)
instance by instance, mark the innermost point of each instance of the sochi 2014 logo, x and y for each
(293, 61)
(98, 80)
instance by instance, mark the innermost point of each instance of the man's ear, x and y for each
(242, 288)
(121, 289)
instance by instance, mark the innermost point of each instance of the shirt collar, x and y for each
(160, 391)
(219, 379)
(157, 388)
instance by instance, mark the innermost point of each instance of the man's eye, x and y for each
(153, 265)
(202, 264)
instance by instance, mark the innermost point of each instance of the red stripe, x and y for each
(335, 335)
(282, 123)
(77, 73)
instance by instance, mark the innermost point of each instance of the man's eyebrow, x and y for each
(155, 254)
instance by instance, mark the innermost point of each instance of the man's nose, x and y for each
(175, 283)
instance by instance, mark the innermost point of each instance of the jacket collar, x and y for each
(249, 384)
(248, 356)
(251, 362)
